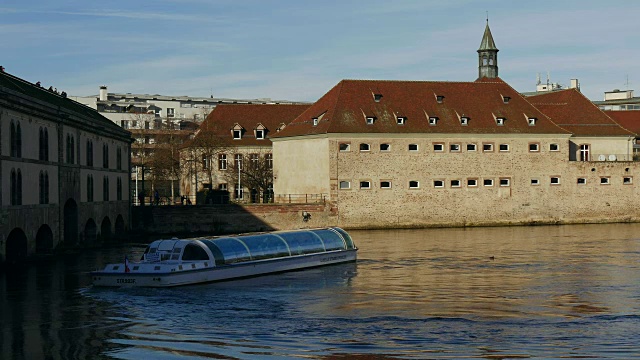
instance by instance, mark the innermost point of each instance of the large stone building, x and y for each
(63, 172)
(421, 153)
(232, 135)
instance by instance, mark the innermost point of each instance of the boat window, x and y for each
(215, 250)
(346, 237)
(232, 250)
(303, 242)
(265, 246)
(332, 240)
(194, 252)
(177, 250)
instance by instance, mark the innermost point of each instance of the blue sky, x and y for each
(298, 50)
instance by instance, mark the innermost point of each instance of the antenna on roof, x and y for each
(487, 16)
(626, 83)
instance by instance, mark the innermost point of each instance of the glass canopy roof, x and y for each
(229, 250)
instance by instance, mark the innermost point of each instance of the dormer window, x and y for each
(315, 121)
(464, 120)
(433, 120)
(260, 134)
(371, 120)
(377, 97)
(439, 98)
(500, 121)
(237, 134)
(506, 99)
(401, 120)
(532, 121)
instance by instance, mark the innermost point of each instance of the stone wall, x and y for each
(184, 221)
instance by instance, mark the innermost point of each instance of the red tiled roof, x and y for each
(629, 119)
(573, 111)
(345, 107)
(224, 117)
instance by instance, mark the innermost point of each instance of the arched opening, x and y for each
(44, 240)
(120, 229)
(105, 230)
(70, 223)
(16, 250)
(90, 232)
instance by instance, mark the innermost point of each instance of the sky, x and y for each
(298, 50)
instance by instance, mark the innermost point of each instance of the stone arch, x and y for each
(44, 240)
(90, 232)
(105, 230)
(16, 247)
(120, 228)
(70, 222)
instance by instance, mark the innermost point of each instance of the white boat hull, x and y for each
(179, 274)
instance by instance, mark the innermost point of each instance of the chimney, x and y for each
(103, 93)
(575, 84)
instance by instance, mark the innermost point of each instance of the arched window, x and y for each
(12, 138)
(41, 187)
(19, 188)
(484, 59)
(119, 189)
(18, 141)
(13, 182)
(119, 158)
(89, 153)
(89, 188)
(46, 144)
(490, 59)
(105, 156)
(46, 187)
(105, 189)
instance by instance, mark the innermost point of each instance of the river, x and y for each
(495, 293)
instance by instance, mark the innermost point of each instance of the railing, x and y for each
(611, 157)
(301, 198)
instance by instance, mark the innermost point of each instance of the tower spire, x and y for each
(487, 55)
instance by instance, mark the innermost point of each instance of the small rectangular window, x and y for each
(532, 121)
(365, 185)
(472, 182)
(487, 182)
(534, 147)
(627, 180)
(260, 134)
(506, 99)
(237, 134)
(413, 147)
(464, 120)
(454, 147)
(315, 121)
(471, 147)
(439, 98)
(504, 147)
(505, 182)
(487, 147)
(555, 180)
(499, 121)
(535, 182)
(345, 147)
(582, 181)
(370, 120)
(385, 147)
(433, 120)
(604, 180)
(385, 184)
(455, 183)
(345, 185)
(365, 147)
(414, 184)
(438, 183)
(554, 147)
(438, 147)
(401, 120)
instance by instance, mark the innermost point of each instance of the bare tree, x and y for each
(256, 174)
(205, 147)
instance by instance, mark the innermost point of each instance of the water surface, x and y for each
(518, 292)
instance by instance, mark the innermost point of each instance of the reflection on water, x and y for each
(558, 291)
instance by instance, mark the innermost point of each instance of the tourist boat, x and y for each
(191, 261)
